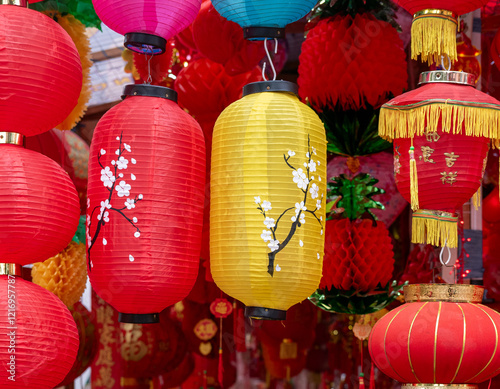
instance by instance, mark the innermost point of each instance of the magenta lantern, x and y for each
(147, 24)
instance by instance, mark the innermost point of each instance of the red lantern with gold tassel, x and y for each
(434, 27)
(441, 133)
(145, 203)
(442, 337)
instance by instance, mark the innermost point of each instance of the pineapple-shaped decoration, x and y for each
(359, 260)
(352, 57)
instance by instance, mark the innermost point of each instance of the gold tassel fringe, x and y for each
(419, 119)
(413, 179)
(434, 227)
(433, 36)
(476, 199)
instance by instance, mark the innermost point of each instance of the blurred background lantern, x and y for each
(346, 39)
(441, 133)
(435, 24)
(268, 182)
(147, 25)
(86, 325)
(442, 335)
(46, 90)
(44, 339)
(145, 203)
(263, 18)
(39, 208)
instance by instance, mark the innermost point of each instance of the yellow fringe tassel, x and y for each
(433, 36)
(410, 121)
(435, 228)
(413, 179)
(476, 199)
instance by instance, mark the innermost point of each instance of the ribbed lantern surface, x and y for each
(40, 72)
(39, 339)
(145, 208)
(268, 182)
(39, 206)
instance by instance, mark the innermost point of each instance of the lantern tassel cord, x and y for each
(220, 375)
(413, 179)
(269, 60)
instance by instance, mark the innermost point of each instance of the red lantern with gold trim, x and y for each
(441, 133)
(434, 27)
(145, 198)
(441, 337)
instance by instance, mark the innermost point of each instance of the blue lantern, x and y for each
(263, 18)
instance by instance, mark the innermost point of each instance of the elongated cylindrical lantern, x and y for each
(435, 25)
(147, 24)
(146, 194)
(268, 182)
(440, 132)
(441, 337)
(263, 18)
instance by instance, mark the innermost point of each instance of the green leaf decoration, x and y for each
(356, 195)
(353, 133)
(83, 10)
(356, 303)
(80, 235)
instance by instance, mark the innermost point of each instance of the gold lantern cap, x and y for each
(10, 269)
(20, 3)
(456, 293)
(447, 76)
(270, 86)
(11, 138)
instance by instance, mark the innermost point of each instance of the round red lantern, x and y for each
(41, 72)
(39, 207)
(441, 132)
(147, 24)
(145, 203)
(441, 337)
(39, 340)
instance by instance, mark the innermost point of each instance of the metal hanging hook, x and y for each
(270, 60)
(442, 251)
(449, 63)
(149, 79)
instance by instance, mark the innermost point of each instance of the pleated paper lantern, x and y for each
(41, 72)
(39, 340)
(145, 203)
(39, 207)
(147, 24)
(435, 24)
(268, 183)
(441, 132)
(263, 18)
(442, 337)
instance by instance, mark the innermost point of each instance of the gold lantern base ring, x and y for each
(455, 293)
(434, 227)
(439, 386)
(11, 269)
(265, 313)
(433, 33)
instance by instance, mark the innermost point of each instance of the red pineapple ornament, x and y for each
(341, 63)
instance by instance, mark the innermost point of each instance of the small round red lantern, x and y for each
(441, 337)
(145, 203)
(41, 71)
(39, 340)
(39, 207)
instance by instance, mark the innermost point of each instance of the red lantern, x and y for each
(39, 207)
(440, 133)
(442, 335)
(41, 72)
(146, 192)
(434, 28)
(39, 340)
(222, 41)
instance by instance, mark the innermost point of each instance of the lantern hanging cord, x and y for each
(445, 246)
(148, 59)
(269, 59)
(449, 63)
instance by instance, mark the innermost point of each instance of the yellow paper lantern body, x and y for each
(268, 192)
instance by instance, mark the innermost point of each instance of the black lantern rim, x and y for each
(270, 86)
(265, 313)
(260, 33)
(136, 318)
(161, 92)
(145, 43)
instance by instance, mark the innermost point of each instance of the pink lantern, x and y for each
(147, 24)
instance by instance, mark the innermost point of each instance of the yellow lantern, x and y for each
(268, 185)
